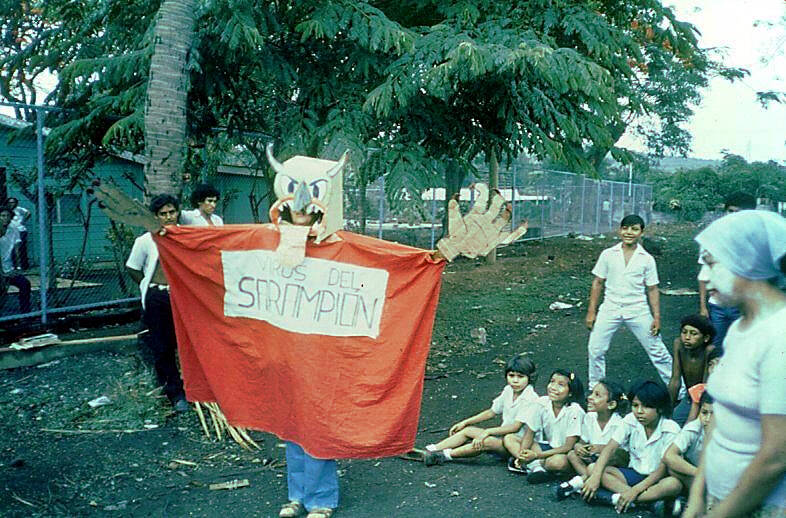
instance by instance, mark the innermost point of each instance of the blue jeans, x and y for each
(682, 410)
(721, 317)
(312, 482)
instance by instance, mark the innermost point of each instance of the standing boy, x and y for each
(144, 268)
(204, 198)
(630, 278)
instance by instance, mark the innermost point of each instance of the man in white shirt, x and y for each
(630, 278)
(204, 198)
(143, 266)
(9, 248)
(21, 215)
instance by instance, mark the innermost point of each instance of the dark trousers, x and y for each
(23, 285)
(162, 341)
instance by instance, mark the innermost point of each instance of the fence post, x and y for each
(583, 193)
(43, 243)
(542, 226)
(513, 199)
(381, 205)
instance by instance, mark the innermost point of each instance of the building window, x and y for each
(68, 210)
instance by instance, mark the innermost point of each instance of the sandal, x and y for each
(291, 509)
(320, 512)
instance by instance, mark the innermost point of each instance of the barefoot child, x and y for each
(646, 432)
(691, 350)
(553, 427)
(696, 391)
(466, 440)
(604, 405)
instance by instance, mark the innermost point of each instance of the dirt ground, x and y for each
(133, 457)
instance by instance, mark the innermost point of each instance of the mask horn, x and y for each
(277, 166)
(333, 171)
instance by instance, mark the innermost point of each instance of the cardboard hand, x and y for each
(121, 208)
(480, 231)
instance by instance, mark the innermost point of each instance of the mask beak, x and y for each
(302, 198)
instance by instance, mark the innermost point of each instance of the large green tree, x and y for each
(417, 89)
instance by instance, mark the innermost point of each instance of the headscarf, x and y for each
(750, 243)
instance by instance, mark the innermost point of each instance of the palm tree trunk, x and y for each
(167, 97)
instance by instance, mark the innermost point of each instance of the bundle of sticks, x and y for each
(221, 425)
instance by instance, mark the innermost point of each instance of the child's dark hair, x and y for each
(203, 191)
(522, 365)
(653, 395)
(701, 323)
(158, 202)
(706, 398)
(575, 386)
(617, 394)
(632, 219)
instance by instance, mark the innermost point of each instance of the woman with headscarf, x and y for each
(743, 469)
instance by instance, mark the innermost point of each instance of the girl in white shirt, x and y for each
(605, 406)
(646, 433)
(466, 440)
(552, 430)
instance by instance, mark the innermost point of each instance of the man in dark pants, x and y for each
(9, 252)
(144, 268)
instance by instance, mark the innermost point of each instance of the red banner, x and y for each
(330, 354)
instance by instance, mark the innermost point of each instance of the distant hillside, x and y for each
(671, 164)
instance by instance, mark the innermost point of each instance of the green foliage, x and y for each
(693, 192)
(425, 82)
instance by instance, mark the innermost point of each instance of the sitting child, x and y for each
(646, 433)
(682, 457)
(691, 350)
(604, 406)
(553, 427)
(695, 392)
(465, 440)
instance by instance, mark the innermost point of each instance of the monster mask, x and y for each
(310, 196)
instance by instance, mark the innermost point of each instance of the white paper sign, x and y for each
(316, 297)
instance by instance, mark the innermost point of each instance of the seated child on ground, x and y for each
(605, 404)
(466, 440)
(682, 457)
(553, 427)
(646, 433)
(695, 392)
(691, 349)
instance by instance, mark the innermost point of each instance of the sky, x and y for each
(753, 34)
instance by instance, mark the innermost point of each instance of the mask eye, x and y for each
(319, 189)
(291, 186)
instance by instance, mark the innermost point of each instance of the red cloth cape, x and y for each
(337, 396)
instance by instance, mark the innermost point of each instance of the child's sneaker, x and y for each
(563, 491)
(515, 468)
(603, 497)
(668, 508)
(434, 458)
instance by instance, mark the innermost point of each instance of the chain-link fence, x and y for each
(76, 255)
(553, 202)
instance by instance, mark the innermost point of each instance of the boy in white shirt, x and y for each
(204, 198)
(144, 268)
(630, 278)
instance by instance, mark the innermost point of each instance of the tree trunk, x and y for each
(493, 184)
(454, 178)
(167, 97)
